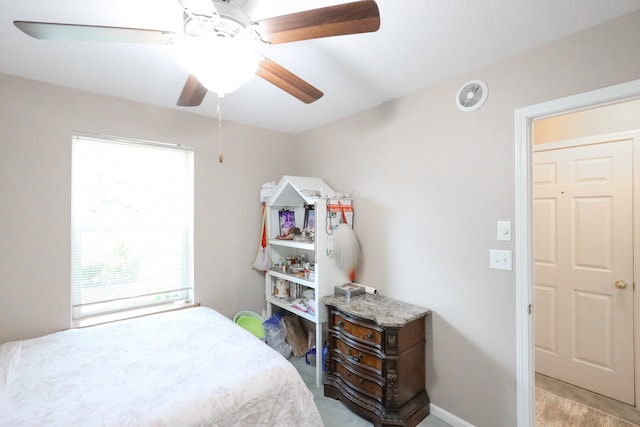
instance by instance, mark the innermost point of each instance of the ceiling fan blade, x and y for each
(349, 18)
(287, 81)
(94, 33)
(192, 93)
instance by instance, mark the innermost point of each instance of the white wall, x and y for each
(36, 123)
(429, 183)
(596, 121)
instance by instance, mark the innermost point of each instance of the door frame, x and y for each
(523, 231)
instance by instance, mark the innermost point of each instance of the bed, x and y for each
(191, 367)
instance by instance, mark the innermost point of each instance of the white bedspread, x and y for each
(191, 367)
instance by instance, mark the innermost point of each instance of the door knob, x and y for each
(621, 284)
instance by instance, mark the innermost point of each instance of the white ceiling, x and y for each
(420, 43)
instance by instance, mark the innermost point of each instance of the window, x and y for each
(131, 225)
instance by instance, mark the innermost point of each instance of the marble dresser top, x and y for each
(384, 311)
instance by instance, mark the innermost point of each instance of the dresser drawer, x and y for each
(356, 330)
(357, 381)
(357, 357)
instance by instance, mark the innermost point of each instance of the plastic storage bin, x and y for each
(250, 321)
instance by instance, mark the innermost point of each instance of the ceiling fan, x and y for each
(219, 20)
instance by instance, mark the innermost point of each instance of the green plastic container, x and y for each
(252, 323)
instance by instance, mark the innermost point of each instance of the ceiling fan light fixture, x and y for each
(216, 47)
(221, 64)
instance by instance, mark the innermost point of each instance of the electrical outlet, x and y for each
(500, 259)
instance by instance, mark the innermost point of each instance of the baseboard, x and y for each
(448, 417)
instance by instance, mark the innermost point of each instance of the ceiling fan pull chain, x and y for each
(219, 112)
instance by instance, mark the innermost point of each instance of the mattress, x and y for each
(191, 367)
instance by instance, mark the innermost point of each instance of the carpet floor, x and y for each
(556, 411)
(551, 410)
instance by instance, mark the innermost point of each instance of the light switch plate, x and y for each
(504, 230)
(500, 259)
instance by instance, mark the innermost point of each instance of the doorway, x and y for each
(524, 230)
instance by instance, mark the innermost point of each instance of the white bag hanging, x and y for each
(346, 246)
(263, 260)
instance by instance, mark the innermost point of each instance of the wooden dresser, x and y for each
(376, 359)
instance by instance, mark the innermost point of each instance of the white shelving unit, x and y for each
(293, 193)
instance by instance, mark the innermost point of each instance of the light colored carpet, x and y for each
(556, 411)
(551, 410)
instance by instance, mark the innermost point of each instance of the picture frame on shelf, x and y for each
(309, 217)
(287, 221)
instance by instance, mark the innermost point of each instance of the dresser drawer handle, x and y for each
(340, 323)
(369, 335)
(354, 358)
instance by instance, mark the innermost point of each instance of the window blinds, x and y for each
(132, 224)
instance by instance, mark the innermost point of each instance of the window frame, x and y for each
(81, 309)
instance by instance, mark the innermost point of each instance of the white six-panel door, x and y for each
(583, 228)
